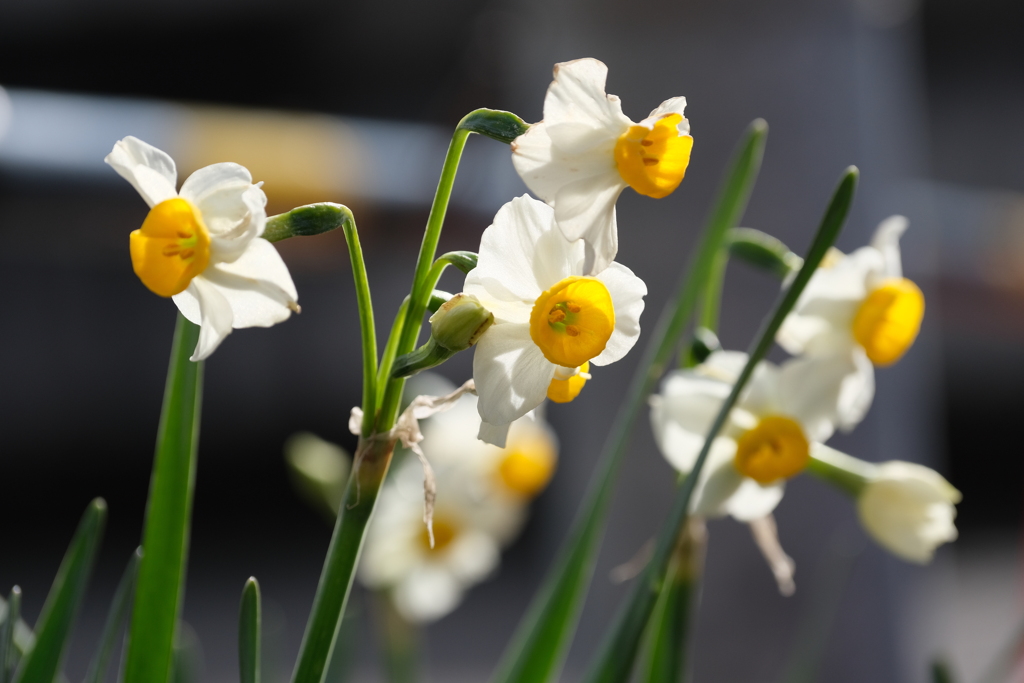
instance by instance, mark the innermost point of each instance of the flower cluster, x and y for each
(858, 311)
(482, 498)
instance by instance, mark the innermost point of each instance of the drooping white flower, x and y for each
(551, 320)
(202, 246)
(765, 440)
(857, 311)
(426, 583)
(586, 151)
(909, 509)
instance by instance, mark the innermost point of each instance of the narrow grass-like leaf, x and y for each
(120, 607)
(668, 633)
(160, 586)
(616, 655)
(249, 620)
(53, 630)
(543, 636)
(8, 655)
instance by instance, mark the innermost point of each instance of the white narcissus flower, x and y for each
(518, 472)
(586, 151)
(765, 440)
(202, 246)
(551, 319)
(426, 583)
(909, 509)
(857, 311)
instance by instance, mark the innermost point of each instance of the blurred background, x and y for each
(354, 102)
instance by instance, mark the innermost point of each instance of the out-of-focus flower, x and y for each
(765, 440)
(549, 318)
(857, 311)
(483, 494)
(517, 472)
(586, 151)
(907, 508)
(202, 246)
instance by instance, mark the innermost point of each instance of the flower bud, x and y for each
(908, 509)
(460, 322)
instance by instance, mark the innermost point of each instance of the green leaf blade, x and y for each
(116, 618)
(160, 586)
(249, 625)
(615, 657)
(43, 662)
(539, 645)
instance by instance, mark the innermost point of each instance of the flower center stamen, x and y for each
(775, 449)
(572, 322)
(528, 464)
(171, 247)
(564, 389)
(445, 531)
(653, 161)
(888, 320)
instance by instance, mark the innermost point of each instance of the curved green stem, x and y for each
(387, 360)
(422, 285)
(366, 324)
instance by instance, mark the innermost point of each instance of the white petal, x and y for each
(585, 209)
(521, 255)
(682, 414)
(427, 594)
(257, 285)
(724, 366)
(511, 373)
(627, 292)
(858, 391)
(150, 171)
(494, 434)
(809, 391)
(472, 557)
(719, 480)
(887, 242)
(752, 500)
(762, 396)
(676, 105)
(233, 209)
(577, 112)
(214, 319)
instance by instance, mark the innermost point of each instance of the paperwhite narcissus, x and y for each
(426, 583)
(857, 311)
(586, 151)
(907, 508)
(202, 246)
(551, 320)
(766, 439)
(518, 472)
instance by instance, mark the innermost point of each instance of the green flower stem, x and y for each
(387, 360)
(160, 586)
(669, 630)
(614, 661)
(373, 457)
(846, 473)
(421, 289)
(712, 304)
(366, 323)
(539, 645)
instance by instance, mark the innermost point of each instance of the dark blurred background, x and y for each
(354, 102)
